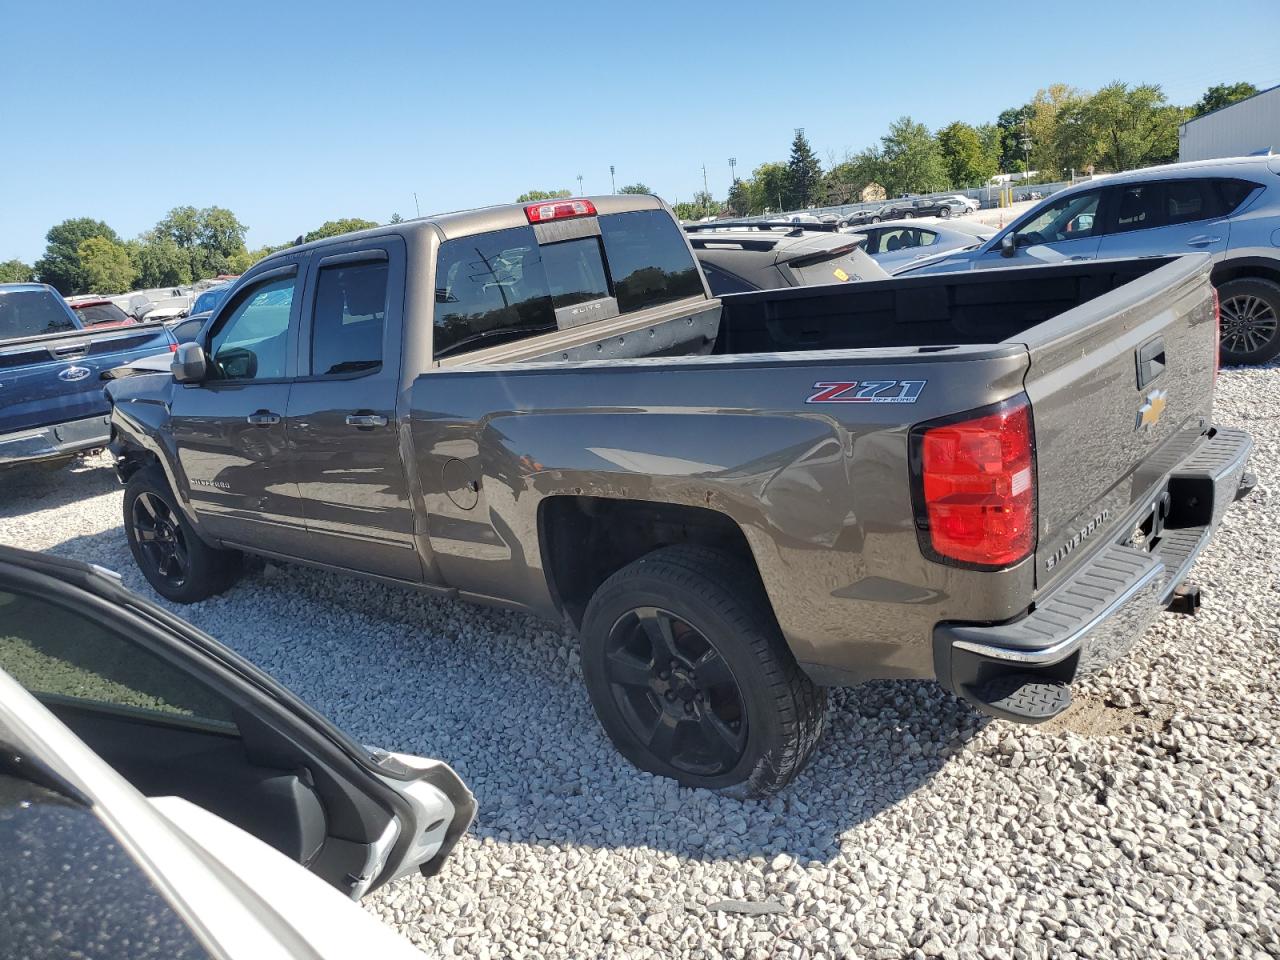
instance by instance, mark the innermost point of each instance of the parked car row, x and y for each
(906, 208)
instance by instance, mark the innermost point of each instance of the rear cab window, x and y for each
(32, 313)
(505, 286)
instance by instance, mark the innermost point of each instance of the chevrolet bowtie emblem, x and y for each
(1149, 412)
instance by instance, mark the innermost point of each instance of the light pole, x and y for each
(612, 181)
(733, 173)
(579, 184)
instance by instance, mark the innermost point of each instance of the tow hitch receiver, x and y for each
(1185, 600)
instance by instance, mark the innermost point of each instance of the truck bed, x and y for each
(938, 310)
(731, 420)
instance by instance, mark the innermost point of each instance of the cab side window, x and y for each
(62, 655)
(350, 313)
(250, 340)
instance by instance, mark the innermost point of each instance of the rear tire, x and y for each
(176, 562)
(1250, 332)
(944, 213)
(691, 677)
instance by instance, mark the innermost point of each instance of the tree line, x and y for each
(84, 255)
(1060, 131)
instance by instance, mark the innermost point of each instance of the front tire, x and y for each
(176, 562)
(1250, 331)
(691, 677)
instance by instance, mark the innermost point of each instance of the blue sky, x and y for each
(293, 114)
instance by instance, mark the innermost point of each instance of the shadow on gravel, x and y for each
(499, 696)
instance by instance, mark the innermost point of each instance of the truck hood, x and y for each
(157, 363)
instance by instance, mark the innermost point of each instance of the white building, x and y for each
(1245, 127)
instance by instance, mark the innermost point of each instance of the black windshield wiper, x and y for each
(505, 333)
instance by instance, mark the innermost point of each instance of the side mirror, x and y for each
(1008, 246)
(189, 363)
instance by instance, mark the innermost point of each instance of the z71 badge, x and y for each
(868, 391)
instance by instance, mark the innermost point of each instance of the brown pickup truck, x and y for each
(994, 479)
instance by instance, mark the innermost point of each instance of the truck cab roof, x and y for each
(463, 223)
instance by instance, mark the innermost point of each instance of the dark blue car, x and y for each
(51, 400)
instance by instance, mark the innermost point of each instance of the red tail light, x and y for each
(1217, 332)
(559, 210)
(975, 486)
(173, 348)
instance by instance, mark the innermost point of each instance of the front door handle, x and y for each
(263, 418)
(366, 420)
(1202, 241)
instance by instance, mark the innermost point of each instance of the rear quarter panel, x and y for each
(820, 491)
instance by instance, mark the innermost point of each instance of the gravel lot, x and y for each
(1142, 824)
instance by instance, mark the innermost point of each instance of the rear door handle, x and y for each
(366, 420)
(1202, 241)
(263, 418)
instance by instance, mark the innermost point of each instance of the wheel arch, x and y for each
(1243, 268)
(584, 540)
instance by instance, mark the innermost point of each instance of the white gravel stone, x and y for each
(1143, 824)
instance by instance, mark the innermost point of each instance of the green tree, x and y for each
(60, 266)
(739, 201)
(1010, 128)
(533, 196)
(242, 261)
(1222, 95)
(636, 188)
(969, 160)
(845, 181)
(1127, 127)
(331, 228)
(1056, 142)
(208, 237)
(15, 271)
(159, 261)
(804, 174)
(912, 161)
(105, 265)
(768, 187)
(396, 218)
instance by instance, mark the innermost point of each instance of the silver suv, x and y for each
(1229, 208)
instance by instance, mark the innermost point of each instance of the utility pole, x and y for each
(705, 188)
(612, 180)
(579, 184)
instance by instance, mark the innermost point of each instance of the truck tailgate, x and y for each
(54, 379)
(1121, 389)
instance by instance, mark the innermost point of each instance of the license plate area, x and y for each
(1151, 523)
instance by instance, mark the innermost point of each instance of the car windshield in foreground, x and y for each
(31, 313)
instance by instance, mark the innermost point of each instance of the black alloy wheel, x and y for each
(675, 692)
(160, 539)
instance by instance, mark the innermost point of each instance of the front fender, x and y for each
(140, 434)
